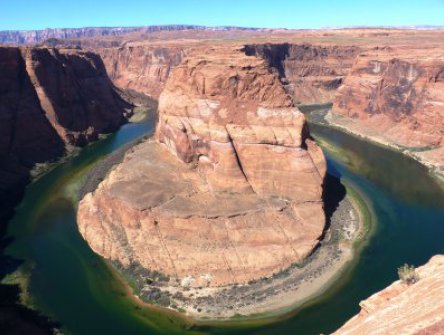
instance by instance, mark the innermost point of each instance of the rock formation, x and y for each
(50, 99)
(141, 68)
(395, 96)
(231, 189)
(312, 73)
(404, 309)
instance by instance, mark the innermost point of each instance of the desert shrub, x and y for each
(407, 274)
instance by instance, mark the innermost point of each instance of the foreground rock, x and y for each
(395, 96)
(230, 191)
(50, 100)
(404, 309)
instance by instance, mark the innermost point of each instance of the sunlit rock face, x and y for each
(404, 309)
(396, 95)
(142, 68)
(230, 190)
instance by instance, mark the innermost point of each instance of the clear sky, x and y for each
(39, 14)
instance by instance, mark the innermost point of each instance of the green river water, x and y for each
(74, 286)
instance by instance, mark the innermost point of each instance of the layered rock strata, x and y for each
(404, 309)
(142, 68)
(395, 97)
(312, 73)
(231, 189)
(50, 99)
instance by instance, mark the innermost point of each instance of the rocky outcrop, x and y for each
(395, 96)
(142, 68)
(50, 99)
(404, 309)
(312, 73)
(231, 189)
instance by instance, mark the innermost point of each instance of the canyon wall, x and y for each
(312, 73)
(415, 309)
(395, 96)
(231, 189)
(142, 68)
(50, 99)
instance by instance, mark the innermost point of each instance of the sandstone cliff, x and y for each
(50, 99)
(312, 73)
(232, 193)
(395, 96)
(142, 68)
(404, 309)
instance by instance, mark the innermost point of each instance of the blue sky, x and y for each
(39, 14)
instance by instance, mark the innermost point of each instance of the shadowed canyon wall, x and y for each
(50, 100)
(312, 74)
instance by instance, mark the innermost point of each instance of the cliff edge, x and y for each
(404, 309)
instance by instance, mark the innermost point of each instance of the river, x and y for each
(76, 287)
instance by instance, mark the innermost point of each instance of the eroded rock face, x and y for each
(404, 309)
(312, 73)
(49, 99)
(141, 68)
(231, 189)
(396, 95)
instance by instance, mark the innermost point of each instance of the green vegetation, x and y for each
(21, 278)
(407, 274)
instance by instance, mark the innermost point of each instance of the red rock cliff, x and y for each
(141, 68)
(396, 97)
(48, 99)
(312, 73)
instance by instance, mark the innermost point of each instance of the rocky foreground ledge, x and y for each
(402, 308)
(228, 193)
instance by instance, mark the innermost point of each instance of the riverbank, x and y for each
(431, 158)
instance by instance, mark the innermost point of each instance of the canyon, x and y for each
(230, 189)
(387, 90)
(50, 102)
